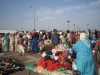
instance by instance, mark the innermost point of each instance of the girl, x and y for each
(41, 46)
(20, 42)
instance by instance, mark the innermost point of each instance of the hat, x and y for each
(83, 36)
(54, 30)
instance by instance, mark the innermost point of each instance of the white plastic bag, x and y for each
(74, 67)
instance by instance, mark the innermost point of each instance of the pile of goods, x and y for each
(47, 43)
(9, 65)
(58, 61)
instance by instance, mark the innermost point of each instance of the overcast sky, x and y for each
(50, 14)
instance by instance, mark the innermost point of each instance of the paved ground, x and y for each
(29, 58)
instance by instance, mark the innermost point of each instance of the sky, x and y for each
(51, 14)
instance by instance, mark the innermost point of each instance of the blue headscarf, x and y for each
(5, 36)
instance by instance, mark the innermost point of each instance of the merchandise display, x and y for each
(58, 61)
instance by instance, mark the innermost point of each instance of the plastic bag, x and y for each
(30, 67)
(74, 67)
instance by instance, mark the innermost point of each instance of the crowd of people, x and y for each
(29, 41)
(81, 42)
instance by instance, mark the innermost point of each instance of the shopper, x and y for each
(21, 47)
(85, 60)
(55, 38)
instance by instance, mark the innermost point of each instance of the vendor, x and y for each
(85, 60)
(55, 38)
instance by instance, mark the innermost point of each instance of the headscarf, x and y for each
(83, 38)
(5, 36)
(16, 33)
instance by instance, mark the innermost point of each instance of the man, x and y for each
(55, 38)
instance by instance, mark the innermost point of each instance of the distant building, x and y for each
(7, 31)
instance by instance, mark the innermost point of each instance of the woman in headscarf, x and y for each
(0, 43)
(84, 59)
(5, 43)
(35, 43)
(29, 41)
(72, 37)
(11, 43)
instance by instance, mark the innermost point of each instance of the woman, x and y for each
(47, 36)
(0, 43)
(68, 36)
(16, 41)
(11, 43)
(73, 39)
(85, 60)
(35, 43)
(29, 36)
(5, 43)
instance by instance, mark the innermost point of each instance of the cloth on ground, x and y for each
(51, 65)
(30, 67)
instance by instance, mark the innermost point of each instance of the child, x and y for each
(41, 45)
(20, 42)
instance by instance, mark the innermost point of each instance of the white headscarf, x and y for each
(83, 36)
(84, 39)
